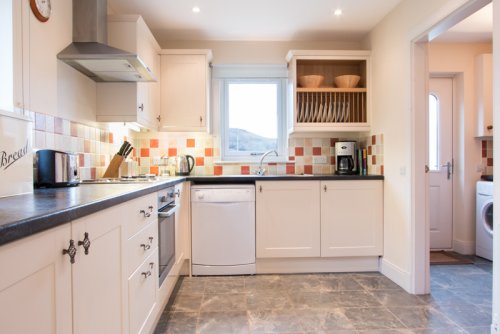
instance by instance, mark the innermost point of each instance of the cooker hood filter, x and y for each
(89, 52)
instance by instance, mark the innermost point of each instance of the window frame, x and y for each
(252, 74)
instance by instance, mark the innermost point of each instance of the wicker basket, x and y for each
(311, 81)
(347, 81)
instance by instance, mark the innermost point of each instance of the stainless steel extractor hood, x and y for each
(89, 52)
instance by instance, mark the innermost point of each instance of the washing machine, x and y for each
(484, 219)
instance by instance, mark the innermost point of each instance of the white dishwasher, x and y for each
(223, 229)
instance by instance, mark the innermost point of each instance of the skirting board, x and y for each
(396, 274)
(464, 247)
(316, 265)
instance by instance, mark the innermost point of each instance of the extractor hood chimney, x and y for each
(89, 52)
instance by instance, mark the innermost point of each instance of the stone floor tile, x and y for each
(396, 298)
(186, 303)
(372, 318)
(224, 302)
(325, 320)
(235, 322)
(478, 330)
(191, 286)
(376, 283)
(338, 283)
(422, 317)
(268, 300)
(352, 299)
(177, 323)
(275, 321)
(467, 315)
(225, 286)
(264, 282)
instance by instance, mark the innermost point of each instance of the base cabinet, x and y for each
(35, 284)
(288, 219)
(319, 218)
(351, 218)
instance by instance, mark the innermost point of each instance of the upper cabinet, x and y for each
(328, 107)
(185, 87)
(484, 98)
(131, 101)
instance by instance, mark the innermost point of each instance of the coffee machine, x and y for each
(345, 157)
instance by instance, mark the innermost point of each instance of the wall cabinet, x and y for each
(313, 218)
(484, 97)
(351, 218)
(328, 108)
(287, 219)
(185, 87)
(131, 101)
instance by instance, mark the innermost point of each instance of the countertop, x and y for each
(25, 215)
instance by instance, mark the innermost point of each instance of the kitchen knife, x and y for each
(127, 146)
(127, 152)
(122, 148)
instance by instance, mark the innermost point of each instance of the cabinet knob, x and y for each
(325, 188)
(146, 274)
(71, 251)
(159, 118)
(201, 119)
(146, 247)
(141, 107)
(85, 243)
(489, 127)
(260, 188)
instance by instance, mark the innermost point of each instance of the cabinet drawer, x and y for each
(142, 287)
(141, 246)
(139, 212)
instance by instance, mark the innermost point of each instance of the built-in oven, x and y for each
(166, 231)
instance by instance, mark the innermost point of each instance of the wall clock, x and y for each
(41, 9)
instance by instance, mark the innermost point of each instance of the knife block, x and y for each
(114, 167)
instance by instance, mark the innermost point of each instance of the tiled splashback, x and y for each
(205, 149)
(96, 146)
(487, 155)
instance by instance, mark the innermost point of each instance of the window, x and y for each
(252, 117)
(433, 133)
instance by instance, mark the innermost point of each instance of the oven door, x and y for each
(166, 234)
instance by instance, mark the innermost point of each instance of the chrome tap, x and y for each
(262, 171)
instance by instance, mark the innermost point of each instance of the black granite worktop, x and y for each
(25, 215)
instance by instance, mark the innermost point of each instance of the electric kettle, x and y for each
(184, 164)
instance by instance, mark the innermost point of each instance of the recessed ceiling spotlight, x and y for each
(337, 12)
(196, 9)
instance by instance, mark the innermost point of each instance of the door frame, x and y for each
(420, 225)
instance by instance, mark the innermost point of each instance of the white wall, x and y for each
(256, 52)
(6, 56)
(458, 59)
(391, 42)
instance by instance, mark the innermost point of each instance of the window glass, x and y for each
(433, 133)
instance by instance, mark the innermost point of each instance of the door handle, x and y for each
(449, 169)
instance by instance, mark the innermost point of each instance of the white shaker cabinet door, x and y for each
(35, 284)
(287, 219)
(99, 277)
(351, 218)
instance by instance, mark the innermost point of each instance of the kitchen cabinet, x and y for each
(484, 97)
(137, 102)
(351, 218)
(287, 219)
(182, 223)
(185, 87)
(99, 281)
(35, 284)
(328, 108)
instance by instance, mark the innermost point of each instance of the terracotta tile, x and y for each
(374, 159)
(190, 142)
(369, 150)
(490, 162)
(58, 125)
(209, 152)
(93, 173)
(245, 170)
(290, 168)
(333, 141)
(81, 160)
(200, 161)
(110, 139)
(86, 146)
(154, 170)
(74, 129)
(381, 169)
(374, 140)
(103, 136)
(484, 153)
(39, 121)
(332, 160)
(144, 152)
(172, 152)
(292, 158)
(316, 150)
(273, 163)
(299, 151)
(484, 144)
(308, 169)
(218, 170)
(153, 143)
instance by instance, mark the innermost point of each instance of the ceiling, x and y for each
(281, 20)
(257, 20)
(477, 28)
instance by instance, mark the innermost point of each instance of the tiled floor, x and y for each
(460, 302)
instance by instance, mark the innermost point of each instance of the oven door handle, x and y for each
(167, 214)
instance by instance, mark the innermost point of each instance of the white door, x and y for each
(440, 124)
